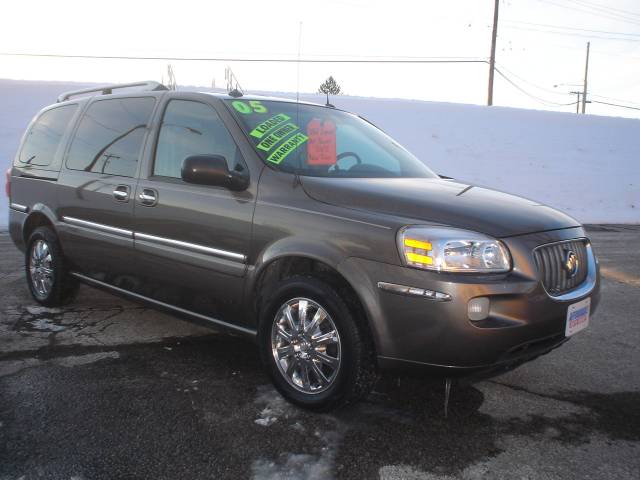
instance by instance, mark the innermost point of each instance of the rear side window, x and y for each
(44, 137)
(192, 128)
(110, 135)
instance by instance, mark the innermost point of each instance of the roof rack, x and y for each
(108, 89)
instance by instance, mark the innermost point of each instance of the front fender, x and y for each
(293, 247)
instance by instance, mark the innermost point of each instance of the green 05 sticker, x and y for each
(253, 106)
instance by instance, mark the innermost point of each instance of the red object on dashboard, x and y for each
(321, 148)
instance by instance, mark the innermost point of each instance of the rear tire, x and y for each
(316, 349)
(47, 276)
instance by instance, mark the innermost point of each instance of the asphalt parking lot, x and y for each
(109, 389)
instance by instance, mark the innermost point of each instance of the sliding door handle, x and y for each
(148, 197)
(121, 193)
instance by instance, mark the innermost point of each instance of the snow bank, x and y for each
(587, 166)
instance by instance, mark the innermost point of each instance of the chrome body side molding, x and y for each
(191, 246)
(97, 226)
(414, 291)
(18, 207)
(168, 306)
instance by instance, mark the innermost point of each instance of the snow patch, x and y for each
(265, 420)
(302, 466)
(407, 472)
(45, 325)
(275, 406)
(38, 310)
(76, 361)
(291, 465)
(294, 466)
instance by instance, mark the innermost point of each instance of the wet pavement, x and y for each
(108, 389)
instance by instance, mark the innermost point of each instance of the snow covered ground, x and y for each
(587, 166)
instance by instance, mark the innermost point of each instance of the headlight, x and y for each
(452, 250)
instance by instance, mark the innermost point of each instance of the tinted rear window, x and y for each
(110, 136)
(44, 136)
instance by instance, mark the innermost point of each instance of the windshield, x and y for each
(321, 141)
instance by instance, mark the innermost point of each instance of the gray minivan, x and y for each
(302, 226)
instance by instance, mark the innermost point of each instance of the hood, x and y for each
(440, 201)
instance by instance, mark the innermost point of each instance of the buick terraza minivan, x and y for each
(302, 226)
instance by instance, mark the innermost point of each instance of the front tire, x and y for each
(47, 277)
(317, 351)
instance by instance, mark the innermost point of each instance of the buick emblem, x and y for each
(570, 263)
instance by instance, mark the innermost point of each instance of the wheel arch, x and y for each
(272, 269)
(39, 216)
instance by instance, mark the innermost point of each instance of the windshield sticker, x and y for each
(287, 147)
(321, 149)
(268, 125)
(254, 107)
(272, 139)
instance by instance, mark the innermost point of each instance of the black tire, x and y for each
(357, 371)
(63, 287)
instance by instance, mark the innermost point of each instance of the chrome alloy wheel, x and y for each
(306, 345)
(41, 268)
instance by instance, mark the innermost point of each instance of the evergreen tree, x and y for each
(330, 86)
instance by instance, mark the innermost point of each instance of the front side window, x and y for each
(192, 128)
(44, 136)
(110, 136)
(322, 141)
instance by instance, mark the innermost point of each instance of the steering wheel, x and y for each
(349, 154)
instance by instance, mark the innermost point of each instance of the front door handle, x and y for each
(148, 197)
(121, 193)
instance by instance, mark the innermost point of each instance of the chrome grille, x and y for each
(550, 260)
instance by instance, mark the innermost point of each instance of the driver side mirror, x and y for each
(213, 170)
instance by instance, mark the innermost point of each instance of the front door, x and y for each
(192, 241)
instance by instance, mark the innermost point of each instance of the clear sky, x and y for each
(541, 43)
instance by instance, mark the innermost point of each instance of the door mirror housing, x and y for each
(213, 170)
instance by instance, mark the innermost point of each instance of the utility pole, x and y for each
(586, 71)
(492, 61)
(578, 102)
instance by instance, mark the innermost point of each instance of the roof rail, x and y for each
(108, 89)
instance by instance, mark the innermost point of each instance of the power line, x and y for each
(605, 9)
(572, 34)
(511, 72)
(600, 14)
(548, 103)
(561, 27)
(615, 105)
(253, 60)
(616, 99)
(626, 12)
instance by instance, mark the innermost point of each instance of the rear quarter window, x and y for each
(45, 136)
(110, 136)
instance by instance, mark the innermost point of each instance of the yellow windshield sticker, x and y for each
(272, 139)
(287, 147)
(269, 125)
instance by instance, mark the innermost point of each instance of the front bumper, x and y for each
(420, 334)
